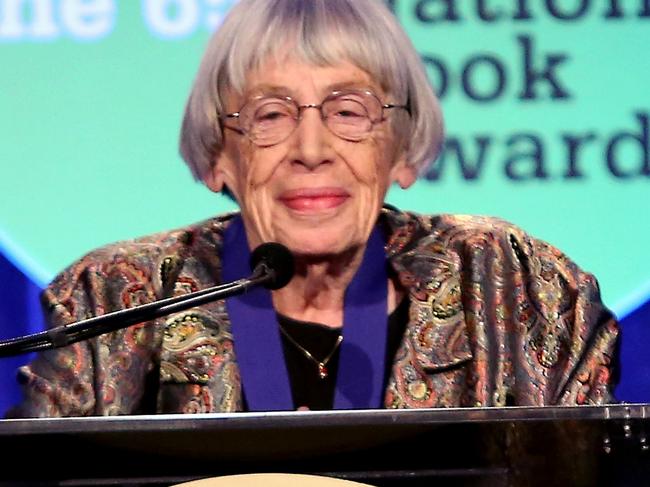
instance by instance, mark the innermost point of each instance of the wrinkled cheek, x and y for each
(370, 167)
(258, 210)
(260, 170)
(252, 176)
(368, 209)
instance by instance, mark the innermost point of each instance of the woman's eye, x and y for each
(347, 114)
(348, 109)
(271, 112)
(270, 116)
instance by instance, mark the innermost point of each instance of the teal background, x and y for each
(89, 129)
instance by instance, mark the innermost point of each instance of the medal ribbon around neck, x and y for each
(258, 344)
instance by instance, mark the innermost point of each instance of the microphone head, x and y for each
(278, 259)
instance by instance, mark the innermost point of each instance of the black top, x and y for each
(308, 388)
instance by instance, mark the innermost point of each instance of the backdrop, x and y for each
(546, 106)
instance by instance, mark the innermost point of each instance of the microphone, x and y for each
(273, 268)
(278, 261)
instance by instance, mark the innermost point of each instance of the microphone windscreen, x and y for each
(278, 259)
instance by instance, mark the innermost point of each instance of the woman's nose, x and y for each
(312, 139)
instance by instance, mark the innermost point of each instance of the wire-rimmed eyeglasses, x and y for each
(270, 120)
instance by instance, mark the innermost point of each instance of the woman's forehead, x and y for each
(294, 78)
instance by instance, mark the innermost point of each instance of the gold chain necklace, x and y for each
(322, 364)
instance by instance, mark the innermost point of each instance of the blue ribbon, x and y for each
(258, 344)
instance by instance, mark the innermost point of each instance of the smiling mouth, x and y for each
(310, 200)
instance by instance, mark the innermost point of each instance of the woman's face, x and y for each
(315, 192)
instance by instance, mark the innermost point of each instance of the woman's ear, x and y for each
(215, 180)
(221, 174)
(403, 173)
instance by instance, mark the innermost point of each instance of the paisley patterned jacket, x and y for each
(496, 318)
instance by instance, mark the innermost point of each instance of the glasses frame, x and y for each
(319, 106)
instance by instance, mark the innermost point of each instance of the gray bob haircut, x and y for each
(319, 32)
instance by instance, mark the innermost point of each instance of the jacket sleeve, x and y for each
(105, 375)
(498, 318)
(571, 337)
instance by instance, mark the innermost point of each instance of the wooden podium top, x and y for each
(271, 480)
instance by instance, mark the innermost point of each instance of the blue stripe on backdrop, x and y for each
(634, 385)
(20, 314)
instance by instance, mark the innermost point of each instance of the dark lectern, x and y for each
(552, 446)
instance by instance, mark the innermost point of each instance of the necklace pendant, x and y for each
(322, 371)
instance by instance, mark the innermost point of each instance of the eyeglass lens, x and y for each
(350, 116)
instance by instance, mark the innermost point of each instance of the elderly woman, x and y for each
(305, 112)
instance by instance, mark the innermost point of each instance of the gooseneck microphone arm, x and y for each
(270, 270)
(61, 336)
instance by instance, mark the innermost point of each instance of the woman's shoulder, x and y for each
(462, 237)
(417, 229)
(148, 257)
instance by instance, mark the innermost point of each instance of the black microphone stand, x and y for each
(61, 336)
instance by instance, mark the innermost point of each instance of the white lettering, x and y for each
(14, 26)
(44, 20)
(171, 18)
(88, 19)
(216, 12)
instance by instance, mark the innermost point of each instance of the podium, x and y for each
(585, 445)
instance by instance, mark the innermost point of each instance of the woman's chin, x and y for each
(318, 245)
